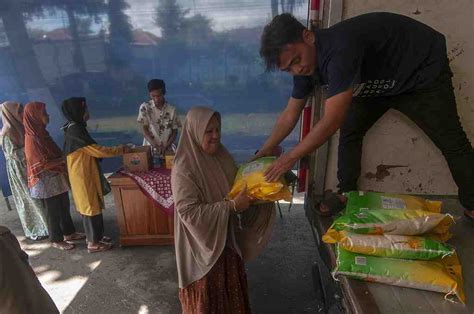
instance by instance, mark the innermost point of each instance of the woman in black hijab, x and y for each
(88, 184)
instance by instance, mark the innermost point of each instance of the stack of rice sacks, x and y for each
(398, 240)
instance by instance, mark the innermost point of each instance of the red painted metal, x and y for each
(303, 168)
(307, 115)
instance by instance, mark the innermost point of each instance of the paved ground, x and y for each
(144, 279)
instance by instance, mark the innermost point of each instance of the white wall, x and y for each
(394, 139)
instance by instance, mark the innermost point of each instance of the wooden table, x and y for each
(141, 222)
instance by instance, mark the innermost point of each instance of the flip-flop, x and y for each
(64, 247)
(38, 238)
(76, 236)
(101, 247)
(333, 203)
(104, 239)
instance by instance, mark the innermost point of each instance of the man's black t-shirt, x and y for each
(377, 54)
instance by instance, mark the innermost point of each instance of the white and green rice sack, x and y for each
(360, 199)
(394, 246)
(394, 221)
(439, 275)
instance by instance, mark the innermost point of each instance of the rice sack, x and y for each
(394, 221)
(438, 275)
(387, 245)
(359, 199)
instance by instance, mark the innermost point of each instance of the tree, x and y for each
(120, 33)
(73, 8)
(120, 29)
(26, 63)
(196, 30)
(170, 17)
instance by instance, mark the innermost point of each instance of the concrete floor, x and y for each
(144, 279)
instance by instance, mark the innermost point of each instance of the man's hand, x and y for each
(275, 151)
(335, 112)
(285, 124)
(279, 167)
(158, 147)
(161, 149)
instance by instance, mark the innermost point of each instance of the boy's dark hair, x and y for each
(156, 84)
(284, 29)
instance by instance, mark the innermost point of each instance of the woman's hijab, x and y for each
(42, 153)
(203, 219)
(12, 123)
(76, 135)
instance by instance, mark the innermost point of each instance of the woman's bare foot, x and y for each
(63, 245)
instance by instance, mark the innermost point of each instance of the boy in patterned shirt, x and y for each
(159, 120)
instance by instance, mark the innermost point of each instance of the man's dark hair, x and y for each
(284, 29)
(156, 84)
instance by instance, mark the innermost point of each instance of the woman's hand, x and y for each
(242, 201)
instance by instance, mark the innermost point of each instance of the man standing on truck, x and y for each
(369, 64)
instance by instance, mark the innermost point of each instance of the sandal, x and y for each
(99, 247)
(63, 246)
(334, 203)
(38, 238)
(104, 239)
(76, 236)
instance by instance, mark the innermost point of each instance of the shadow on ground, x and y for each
(144, 279)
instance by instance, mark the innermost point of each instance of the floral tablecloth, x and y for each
(156, 185)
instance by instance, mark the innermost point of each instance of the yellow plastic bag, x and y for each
(251, 175)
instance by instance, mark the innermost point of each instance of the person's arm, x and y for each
(143, 119)
(149, 136)
(171, 139)
(98, 151)
(335, 110)
(285, 124)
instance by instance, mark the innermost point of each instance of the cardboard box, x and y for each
(169, 161)
(138, 160)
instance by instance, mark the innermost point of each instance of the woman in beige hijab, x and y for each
(213, 236)
(12, 138)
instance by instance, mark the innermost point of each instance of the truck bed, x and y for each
(368, 297)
